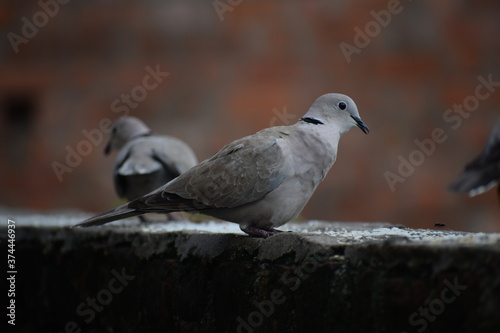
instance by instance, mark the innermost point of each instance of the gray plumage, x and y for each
(145, 161)
(260, 181)
(482, 173)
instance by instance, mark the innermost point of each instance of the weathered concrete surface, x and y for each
(210, 277)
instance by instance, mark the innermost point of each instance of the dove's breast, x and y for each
(307, 161)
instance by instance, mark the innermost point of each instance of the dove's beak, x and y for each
(107, 149)
(361, 124)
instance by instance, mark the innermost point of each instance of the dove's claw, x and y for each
(261, 233)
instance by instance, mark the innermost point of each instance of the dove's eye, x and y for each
(342, 105)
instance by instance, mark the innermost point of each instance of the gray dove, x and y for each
(145, 161)
(483, 173)
(261, 181)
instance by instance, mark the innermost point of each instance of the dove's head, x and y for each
(335, 110)
(123, 130)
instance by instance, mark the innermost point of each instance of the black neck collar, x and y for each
(311, 120)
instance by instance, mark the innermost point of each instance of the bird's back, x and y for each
(146, 163)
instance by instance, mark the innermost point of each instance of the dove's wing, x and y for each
(242, 172)
(138, 158)
(175, 156)
(482, 173)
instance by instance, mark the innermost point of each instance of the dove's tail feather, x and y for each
(114, 214)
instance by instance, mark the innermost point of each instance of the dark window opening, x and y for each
(20, 109)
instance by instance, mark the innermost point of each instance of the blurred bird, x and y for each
(145, 161)
(483, 173)
(260, 181)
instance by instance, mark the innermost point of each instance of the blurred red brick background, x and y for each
(263, 64)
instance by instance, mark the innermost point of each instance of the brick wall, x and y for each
(231, 77)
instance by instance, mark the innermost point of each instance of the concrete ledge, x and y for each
(210, 277)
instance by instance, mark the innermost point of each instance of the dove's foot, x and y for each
(174, 217)
(143, 219)
(261, 233)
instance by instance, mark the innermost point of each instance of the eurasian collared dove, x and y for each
(260, 181)
(483, 173)
(145, 161)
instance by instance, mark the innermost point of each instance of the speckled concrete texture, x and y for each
(210, 277)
